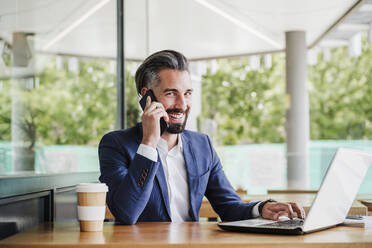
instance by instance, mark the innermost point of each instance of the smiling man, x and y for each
(164, 177)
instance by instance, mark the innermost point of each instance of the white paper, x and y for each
(365, 221)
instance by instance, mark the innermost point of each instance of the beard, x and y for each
(175, 128)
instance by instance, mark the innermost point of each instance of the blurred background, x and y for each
(59, 83)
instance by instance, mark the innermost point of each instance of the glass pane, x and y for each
(244, 112)
(57, 84)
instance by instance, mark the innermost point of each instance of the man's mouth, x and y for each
(177, 120)
(176, 116)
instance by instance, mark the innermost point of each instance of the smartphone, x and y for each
(163, 123)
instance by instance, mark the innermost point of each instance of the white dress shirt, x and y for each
(176, 176)
(175, 173)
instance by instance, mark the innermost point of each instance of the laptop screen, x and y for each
(338, 189)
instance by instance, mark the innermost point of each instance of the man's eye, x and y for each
(188, 93)
(170, 94)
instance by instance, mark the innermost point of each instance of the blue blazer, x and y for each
(137, 185)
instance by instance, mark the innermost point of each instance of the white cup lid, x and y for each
(91, 187)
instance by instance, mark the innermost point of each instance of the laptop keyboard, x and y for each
(285, 224)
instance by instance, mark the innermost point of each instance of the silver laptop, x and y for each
(331, 205)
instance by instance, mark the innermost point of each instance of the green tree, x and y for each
(80, 109)
(71, 107)
(74, 108)
(5, 110)
(340, 94)
(248, 105)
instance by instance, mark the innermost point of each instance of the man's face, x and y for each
(175, 93)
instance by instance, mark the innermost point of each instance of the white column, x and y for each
(297, 114)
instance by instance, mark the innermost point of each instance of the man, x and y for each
(164, 177)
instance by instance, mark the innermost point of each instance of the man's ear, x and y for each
(144, 90)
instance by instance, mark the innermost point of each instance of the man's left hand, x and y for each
(273, 210)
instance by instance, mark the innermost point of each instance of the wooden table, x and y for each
(305, 199)
(190, 234)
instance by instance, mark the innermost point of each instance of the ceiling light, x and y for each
(268, 61)
(355, 46)
(254, 62)
(112, 66)
(312, 56)
(59, 63)
(214, 66)
(326, 54)
(73, 65)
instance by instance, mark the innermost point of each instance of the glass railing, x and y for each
(255, 168)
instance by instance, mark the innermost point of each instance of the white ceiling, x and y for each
(198, 28)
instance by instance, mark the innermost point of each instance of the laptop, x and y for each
(331, 204)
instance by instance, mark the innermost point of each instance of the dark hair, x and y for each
(147, 73)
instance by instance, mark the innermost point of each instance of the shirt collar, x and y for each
(163, 145)
(179, 142)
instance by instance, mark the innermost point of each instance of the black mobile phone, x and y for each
(163, 123)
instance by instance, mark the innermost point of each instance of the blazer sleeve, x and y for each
(225, 202)
(130, 180)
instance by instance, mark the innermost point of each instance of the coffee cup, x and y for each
(91, 206)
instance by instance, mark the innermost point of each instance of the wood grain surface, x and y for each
(189, 234)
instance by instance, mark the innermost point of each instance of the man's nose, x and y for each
(181, 102)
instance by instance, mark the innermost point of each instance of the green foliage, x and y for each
(340, 95)
(5, 110)
(247, 105)
(131, 96)
(73, 108)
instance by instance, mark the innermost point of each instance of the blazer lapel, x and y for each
(160, 177)
(192, 178)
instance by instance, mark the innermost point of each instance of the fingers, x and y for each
(155, 106)
(298, 209)
(155, 114)
(282, 206)
(273, 210)
(159, 113)
(148, 103)
(152, 105)
(280, 213)
(152, 113)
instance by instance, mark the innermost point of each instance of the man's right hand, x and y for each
(273, 210)
(151, 122)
